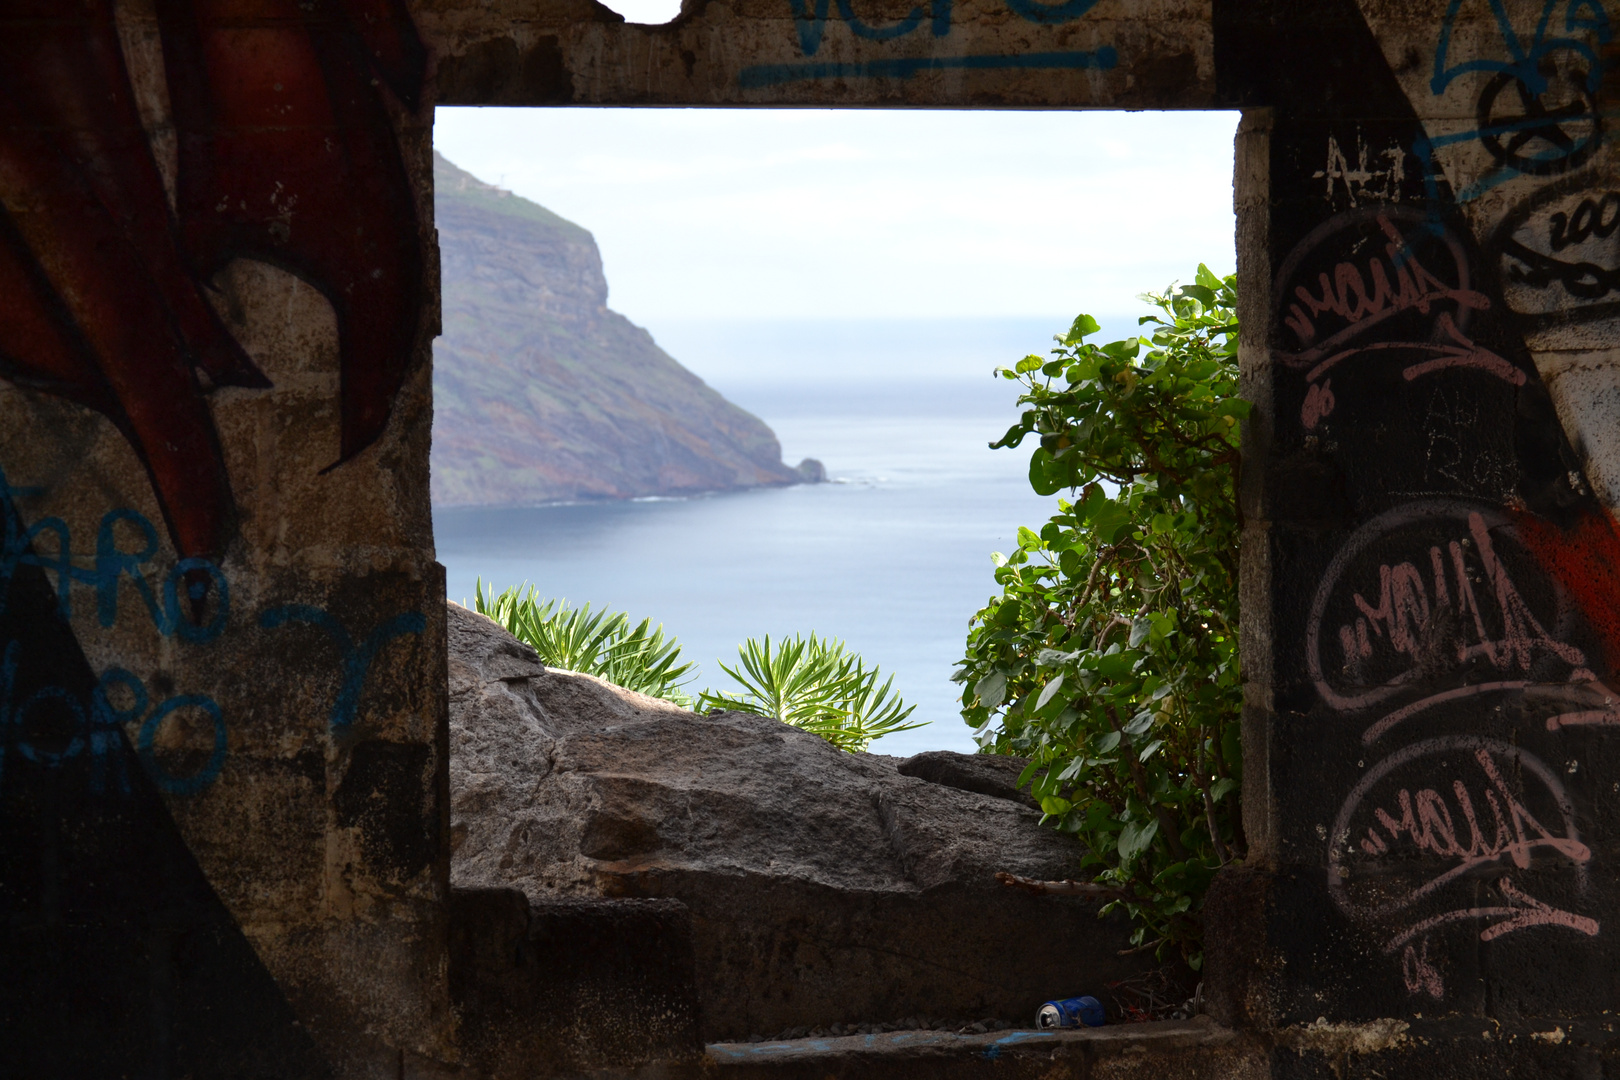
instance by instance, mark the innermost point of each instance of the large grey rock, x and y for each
(984, 774)
(824, 886)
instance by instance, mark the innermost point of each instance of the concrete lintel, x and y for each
(1115, 54)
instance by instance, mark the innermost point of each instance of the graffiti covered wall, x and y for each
(1432, 563)
(928, 53)
(221, 626)
(223, 841)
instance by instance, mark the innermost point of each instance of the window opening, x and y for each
(851, 278)
(650, 12)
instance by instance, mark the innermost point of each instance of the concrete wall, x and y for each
(222, 717)
(222, 702)
(1427, 266)
(1112, 54)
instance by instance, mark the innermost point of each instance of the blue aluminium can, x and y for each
(1071, 1013)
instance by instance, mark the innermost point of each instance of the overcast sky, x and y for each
(647, 11)
(719, 214)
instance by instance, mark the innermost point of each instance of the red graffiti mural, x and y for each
(287, 154)
(1585, 560)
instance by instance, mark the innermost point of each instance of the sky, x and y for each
(859, 214)
(647, 11)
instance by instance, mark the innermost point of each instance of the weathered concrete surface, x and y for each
(1196, 1049)
(570, 987)
(824, 886)
(1429, 563)
(1115, 54)
(227, 768)
(222, 652)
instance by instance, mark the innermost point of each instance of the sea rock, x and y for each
(811, 471)
(824, 887)
(542, 394)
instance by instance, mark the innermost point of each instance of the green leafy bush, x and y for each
(815, 684)
(637, 658)
(1111, 655)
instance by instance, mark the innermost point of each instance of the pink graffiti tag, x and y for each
(1319, 402)
(1585, 718)
(1360, 294)
(1417, 839)
(1426, 822)
(1461, 353)
(1406, 712)
(1419, 975)
(1525, 912)
(1404, 617)
(1607, 714)
(1365, 301)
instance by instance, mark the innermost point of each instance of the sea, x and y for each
(891, 555)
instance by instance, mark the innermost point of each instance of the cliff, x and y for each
(541, 394)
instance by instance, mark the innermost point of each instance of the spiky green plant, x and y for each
(602, 643)
(815, 684)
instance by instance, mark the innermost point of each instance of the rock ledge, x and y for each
(824, 887)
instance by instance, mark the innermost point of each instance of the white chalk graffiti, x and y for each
(1375, 177)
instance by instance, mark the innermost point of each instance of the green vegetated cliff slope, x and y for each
(542, 394)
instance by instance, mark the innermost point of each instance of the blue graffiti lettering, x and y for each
(883, 33)
(183, 785)
(763, 75)
(106, 736)
(1525, 64)
(356, 660)
(14, 715)
(1051, 14)
(810, 24)
(100, 732)
(810, 21)
(14, 539)
(113, 563)
(200, 578)
(61, 564)
(1529, 125)
(197, 578)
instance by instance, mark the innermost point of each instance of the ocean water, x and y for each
(892, 556)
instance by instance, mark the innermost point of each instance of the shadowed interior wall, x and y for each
(1426, 271)
(222, 655)
(222, 680)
